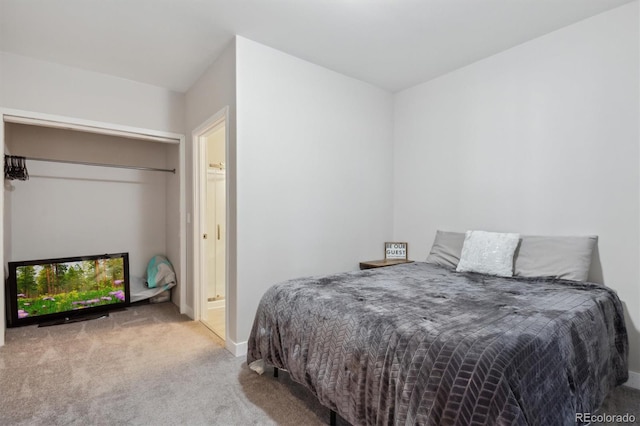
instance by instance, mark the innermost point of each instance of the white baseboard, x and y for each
(188, 311)
(237, 349)
(634, 380)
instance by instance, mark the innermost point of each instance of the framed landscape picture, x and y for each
(396, 250)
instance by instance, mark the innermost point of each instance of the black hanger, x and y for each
(15, 167)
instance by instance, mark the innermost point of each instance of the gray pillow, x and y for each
(568, 258)
(446, 249)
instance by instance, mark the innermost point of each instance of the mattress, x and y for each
(421, 344)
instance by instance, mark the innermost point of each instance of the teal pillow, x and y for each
(160, 272)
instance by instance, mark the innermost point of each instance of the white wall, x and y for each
(314, 172)
(213, 91)
(540, 139)
(39, 86)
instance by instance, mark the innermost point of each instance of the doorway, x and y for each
(210, 154)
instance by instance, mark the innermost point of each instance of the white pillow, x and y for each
(488, 253)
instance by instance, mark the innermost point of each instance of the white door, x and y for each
(219, 210)
(213, 226)
(213, 307)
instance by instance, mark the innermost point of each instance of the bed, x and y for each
(420, 343)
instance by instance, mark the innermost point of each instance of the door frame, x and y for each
(199, 209)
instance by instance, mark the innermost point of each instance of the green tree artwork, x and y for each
(58, 287)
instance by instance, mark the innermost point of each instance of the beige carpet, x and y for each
(149, 365)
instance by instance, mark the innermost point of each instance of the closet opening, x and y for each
(99, 188)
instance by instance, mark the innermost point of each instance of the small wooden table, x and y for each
(382, 263)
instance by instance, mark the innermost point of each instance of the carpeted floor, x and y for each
(149, 365)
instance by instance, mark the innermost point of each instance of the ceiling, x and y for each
(393, 44)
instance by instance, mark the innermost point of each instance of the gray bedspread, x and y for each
(420, 344)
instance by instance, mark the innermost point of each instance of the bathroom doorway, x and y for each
(211, 224)
(215, 241)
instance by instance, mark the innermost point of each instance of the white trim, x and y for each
(237, 349)
(63, 122)
(634, 380)
(182, 217)
(187, 311)
(3, 325)
(199, 167)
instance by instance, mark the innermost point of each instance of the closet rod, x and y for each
(84, 163)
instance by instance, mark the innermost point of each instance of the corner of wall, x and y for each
(237, 349)
(214, 90)
(634, 380)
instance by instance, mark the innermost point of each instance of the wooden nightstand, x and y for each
(382, 263)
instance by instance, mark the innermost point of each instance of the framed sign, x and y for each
(394, 250)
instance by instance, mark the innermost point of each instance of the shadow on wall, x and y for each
(595, 271)
(633, 333)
